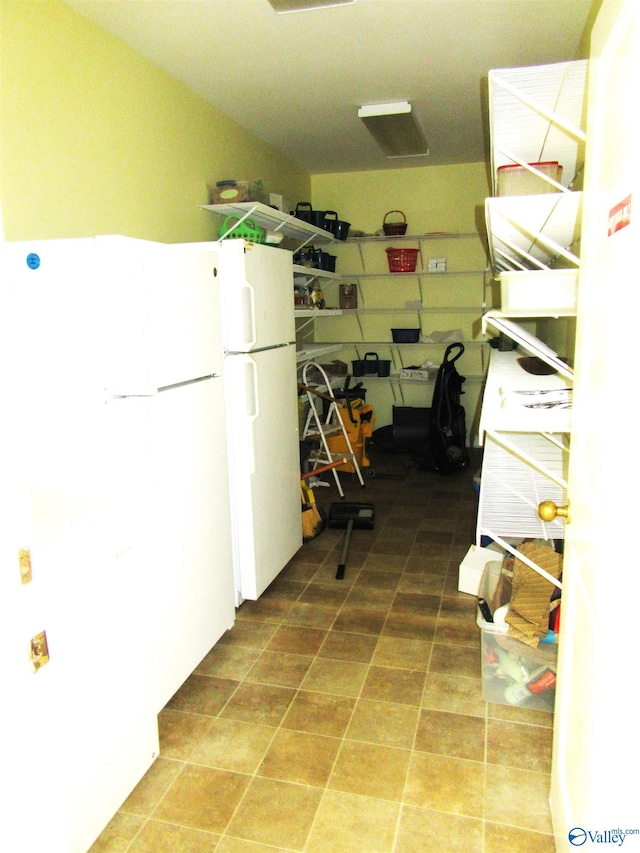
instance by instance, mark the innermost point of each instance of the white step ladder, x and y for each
(319, 426)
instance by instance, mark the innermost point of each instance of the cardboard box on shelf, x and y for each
(335, 368)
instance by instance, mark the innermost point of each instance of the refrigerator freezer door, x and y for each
(257, 297)
(264, 465)
(162, 314)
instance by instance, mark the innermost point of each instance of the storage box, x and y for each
(516, 180)
(229, 192)
(471, 568)
(423, 374)
(539, 292)
(348, 296)
(336, 368)
(437, 265)
(513, 673)
(279, 202)
(410, 429)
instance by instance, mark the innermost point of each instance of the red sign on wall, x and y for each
(620, 215)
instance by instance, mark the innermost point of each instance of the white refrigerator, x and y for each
(123, 417)
(166, 360)
(262, 417)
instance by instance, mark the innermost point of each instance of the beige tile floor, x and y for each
(342, 716)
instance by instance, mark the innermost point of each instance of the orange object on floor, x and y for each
(358, 419)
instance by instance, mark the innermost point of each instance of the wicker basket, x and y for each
(394, 229)
(402, 260)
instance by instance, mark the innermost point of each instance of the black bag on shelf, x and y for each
(446, 448)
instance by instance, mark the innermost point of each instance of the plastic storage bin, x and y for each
(402, 260)
(405, 336)
(516, 180)
(513, 673)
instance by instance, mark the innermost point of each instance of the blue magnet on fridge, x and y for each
(33, 261)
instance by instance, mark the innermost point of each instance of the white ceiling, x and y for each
(296, 80)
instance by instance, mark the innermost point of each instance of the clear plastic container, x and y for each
(513, 673)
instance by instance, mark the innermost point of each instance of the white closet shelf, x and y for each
(506, 410)
(318, 312)
(313, 272)
(273, 220)
(397, 238)
(537, 114)
(527, 341)
(436, 309)
(534, 231)
(314, 351)
(420, 272)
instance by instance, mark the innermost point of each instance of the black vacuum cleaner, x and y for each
(350, 515)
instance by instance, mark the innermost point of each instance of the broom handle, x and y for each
(345, 548)
(322, 469)
(316, 392)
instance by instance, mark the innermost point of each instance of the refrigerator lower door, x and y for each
(264, 466)
(93, 589)
(89, 589)
(187, 539)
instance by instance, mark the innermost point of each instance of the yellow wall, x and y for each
(433, 198)
(96, 139)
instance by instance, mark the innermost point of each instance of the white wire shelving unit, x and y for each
(536, 115)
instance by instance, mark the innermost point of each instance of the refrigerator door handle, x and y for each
(253, 406)
(249, 314)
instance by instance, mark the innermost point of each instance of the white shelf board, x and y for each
(395, 345)
(429, 235)
(313, 272)
(533, 231)
(442, 309)
(501, 410)
(420, 272)
(312, 352)
(317, 312)
(538, 114)
(527, 341)
(273, 220)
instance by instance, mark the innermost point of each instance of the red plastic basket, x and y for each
(402, 260)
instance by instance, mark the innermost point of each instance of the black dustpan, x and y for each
(350, 515)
